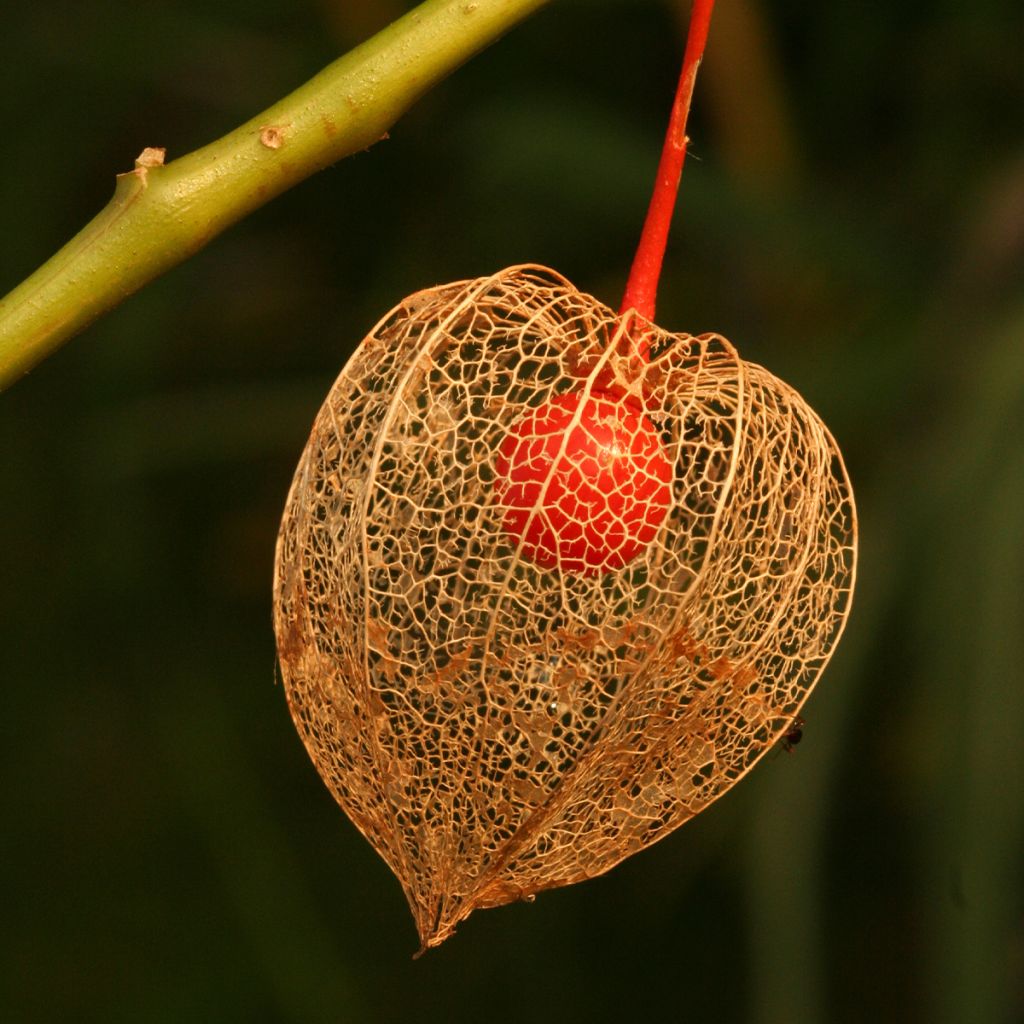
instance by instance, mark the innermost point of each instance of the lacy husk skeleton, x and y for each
(495, 726)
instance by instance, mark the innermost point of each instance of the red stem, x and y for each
(642, 286)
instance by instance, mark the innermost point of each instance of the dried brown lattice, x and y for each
(496, 724)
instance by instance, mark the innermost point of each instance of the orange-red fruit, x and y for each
(585, 482)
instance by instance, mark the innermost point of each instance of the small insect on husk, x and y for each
(793, 735)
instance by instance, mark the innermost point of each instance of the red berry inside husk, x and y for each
(585, 482)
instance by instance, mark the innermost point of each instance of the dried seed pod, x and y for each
(502, 707)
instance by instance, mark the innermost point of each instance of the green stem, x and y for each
(161, 214)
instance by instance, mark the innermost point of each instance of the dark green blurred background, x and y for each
(853, 217)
